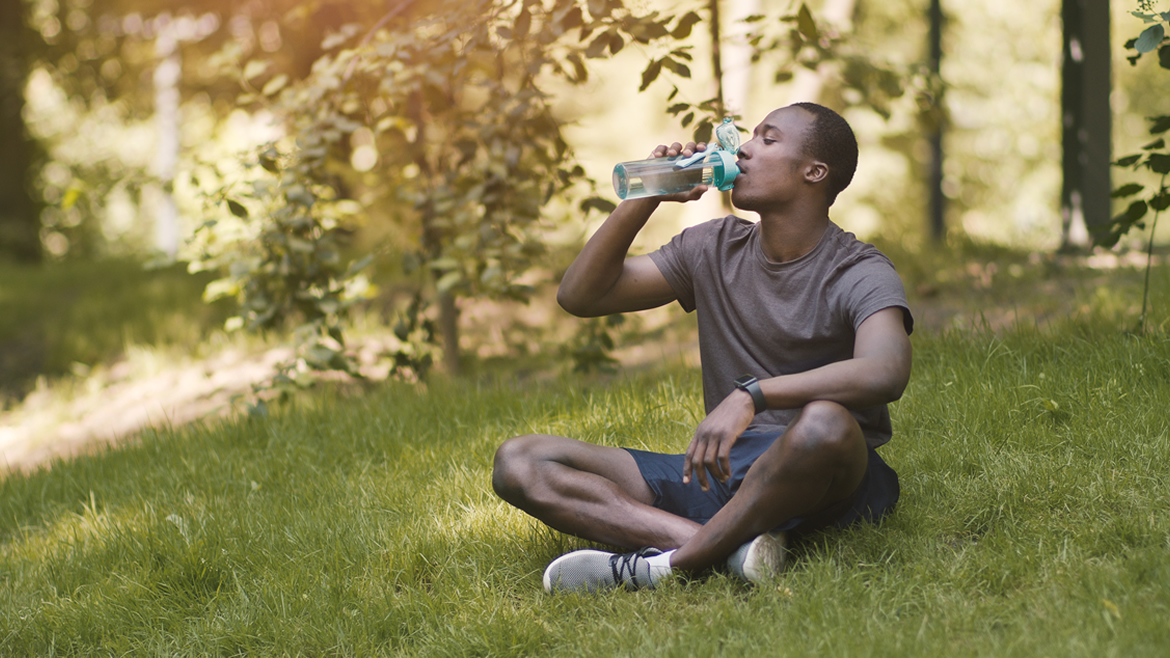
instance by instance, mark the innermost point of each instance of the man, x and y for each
(804, 339)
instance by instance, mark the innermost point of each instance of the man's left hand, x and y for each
(710, 449)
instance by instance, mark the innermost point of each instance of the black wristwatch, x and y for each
(752, 386)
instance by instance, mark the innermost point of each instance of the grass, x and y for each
(67, 317)
(1032, 522)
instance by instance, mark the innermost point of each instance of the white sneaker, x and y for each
(593, 571)
(761, 558)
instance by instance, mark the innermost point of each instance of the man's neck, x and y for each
(788, 235)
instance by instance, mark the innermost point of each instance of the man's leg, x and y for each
(820, 460)
(591, 491)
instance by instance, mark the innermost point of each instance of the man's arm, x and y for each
(877, 374)
(602, 280)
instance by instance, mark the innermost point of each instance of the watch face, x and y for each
(746, 380)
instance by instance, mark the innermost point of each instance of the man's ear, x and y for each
(816, 171)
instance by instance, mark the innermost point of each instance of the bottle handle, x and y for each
(688, 161)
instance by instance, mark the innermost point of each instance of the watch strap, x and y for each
(752, 386)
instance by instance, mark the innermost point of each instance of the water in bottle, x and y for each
(657, 176)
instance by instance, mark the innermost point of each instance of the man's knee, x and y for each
(512, 466)
(827, 428)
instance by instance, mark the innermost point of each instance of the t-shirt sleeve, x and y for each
(870, 285)
(681, 258)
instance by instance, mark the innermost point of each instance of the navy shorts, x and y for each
(874, 498)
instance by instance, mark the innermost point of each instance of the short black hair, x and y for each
(831, 140)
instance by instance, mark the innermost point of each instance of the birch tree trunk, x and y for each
(166, 109)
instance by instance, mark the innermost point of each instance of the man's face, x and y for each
(772, 162)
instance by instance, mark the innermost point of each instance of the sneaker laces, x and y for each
(625, 567)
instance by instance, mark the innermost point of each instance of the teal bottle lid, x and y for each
(728, 136)
(722, 157)
(724, 171)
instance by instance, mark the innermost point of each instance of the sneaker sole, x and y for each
(765, 557)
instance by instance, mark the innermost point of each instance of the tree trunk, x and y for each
(737, 58)
(717, 73)
(449, 328)
(937, 219)
(1085, 204)
(19, 212)
(167, 74)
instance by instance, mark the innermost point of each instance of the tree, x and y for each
(436, 120)
(1086, 121)
(19, 213)
(1155, 156)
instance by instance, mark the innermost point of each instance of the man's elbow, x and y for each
(572, 304)
(894, 390)
(894, 385)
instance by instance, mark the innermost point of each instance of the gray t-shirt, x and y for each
(767, 319)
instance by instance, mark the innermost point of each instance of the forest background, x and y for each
(379, 192)
(302, 166)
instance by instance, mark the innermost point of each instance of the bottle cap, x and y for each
(724, 169)
(728, 136)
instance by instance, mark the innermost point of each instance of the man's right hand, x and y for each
(664, 151)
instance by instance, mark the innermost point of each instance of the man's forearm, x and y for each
(854, 384)
(599, 265)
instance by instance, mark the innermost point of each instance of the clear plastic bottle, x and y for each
(657, 176)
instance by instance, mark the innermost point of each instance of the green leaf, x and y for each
(1128, 160)
(580, 73)
(685, 24)
(616, 42)
(806, 23)
(523, 24)
(1161, 124)
(1154, 145)
(1161, 201)
(449, 281)
(1164, 57)
(268, 163)
(1150, 38)
(703, 131)
(597, 47)
(686, 121)
(597, 203)
(673, 93)
(445, 263)
(220, 288)
(359, 265)
(70, 199)
(275, 84)
(1133, 213)
(650, 74)
(1159, 163)
(680, 69)
(1127, 190)
(237, 209)
(255, 68)
(572, 19)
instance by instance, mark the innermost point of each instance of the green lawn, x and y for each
(64, 317)
(1034, 521)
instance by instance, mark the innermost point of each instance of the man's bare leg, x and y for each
(820, 460)
(591, 491)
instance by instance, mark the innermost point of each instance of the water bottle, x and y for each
(657, 176)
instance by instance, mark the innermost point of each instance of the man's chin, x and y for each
(742, 201)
